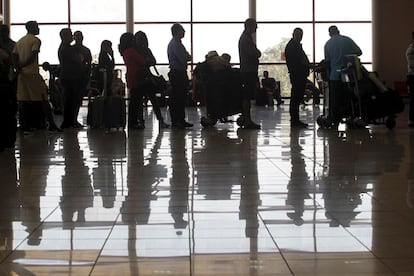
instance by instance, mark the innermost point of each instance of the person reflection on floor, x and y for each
(143, 177)
(249, 186)
(33, 173)
(108, 149)
(180, 179)
(9, 200)
(298, 187)
(77, 192)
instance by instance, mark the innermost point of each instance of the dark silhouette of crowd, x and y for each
(26, 93)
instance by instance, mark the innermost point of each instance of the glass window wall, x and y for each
(97, 11)
(292, 10)
(210, 25)
(162, 10)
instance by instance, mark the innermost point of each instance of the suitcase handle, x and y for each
(104, 90)
(156, 70)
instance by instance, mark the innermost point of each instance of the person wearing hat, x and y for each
(249, 65)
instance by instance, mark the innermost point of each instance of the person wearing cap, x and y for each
(178, 57)
(336, 48)
(249, 65)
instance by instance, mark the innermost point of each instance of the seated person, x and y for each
(312, 92)
(270, 86)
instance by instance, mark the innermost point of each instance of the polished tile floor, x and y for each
(219, 201)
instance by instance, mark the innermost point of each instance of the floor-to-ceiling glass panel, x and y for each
(102, 10)
(272, 40)
(274, 37)
(22, 11)
(292, 10)
(359, 32)
(159, 35)
(94, 34)
(337, 10)
(219, 10)
(223, 38)
(162, 10)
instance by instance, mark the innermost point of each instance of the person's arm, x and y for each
(184, 54)
(28, 61)
(251, 49)
(151, 61)
(89, 62)
(355, 48)
(358, 50)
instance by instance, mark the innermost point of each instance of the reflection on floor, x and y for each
(217, 201)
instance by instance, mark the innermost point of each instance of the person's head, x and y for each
(127, 40)
(177, 30)
(141, 39)
(32, 27)
(66, 35)
(266, 74)
(297, 34)
(106, 46)
(333, 30)
(78, 37)
(4, 31)
(250, 25)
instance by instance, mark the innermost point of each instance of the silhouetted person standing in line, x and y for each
(141, 42)
(8, 103)
(30, 84)
(135, 63)
(249, 64)
(70, 76)
(86, 61)
(336, 48)
(106, 60)
(178, 57)
(298, 66)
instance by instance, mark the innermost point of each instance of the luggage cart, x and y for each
(221, 93)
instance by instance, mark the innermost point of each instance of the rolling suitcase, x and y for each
(106, 111)
(114, 112)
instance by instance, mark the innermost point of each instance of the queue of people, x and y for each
(20, 73)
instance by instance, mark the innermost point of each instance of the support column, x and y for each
(252, 8)
(6, 11)
(392, 24)
(130, 16)
(252, 13)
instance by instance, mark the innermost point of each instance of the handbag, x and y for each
(158, 82)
